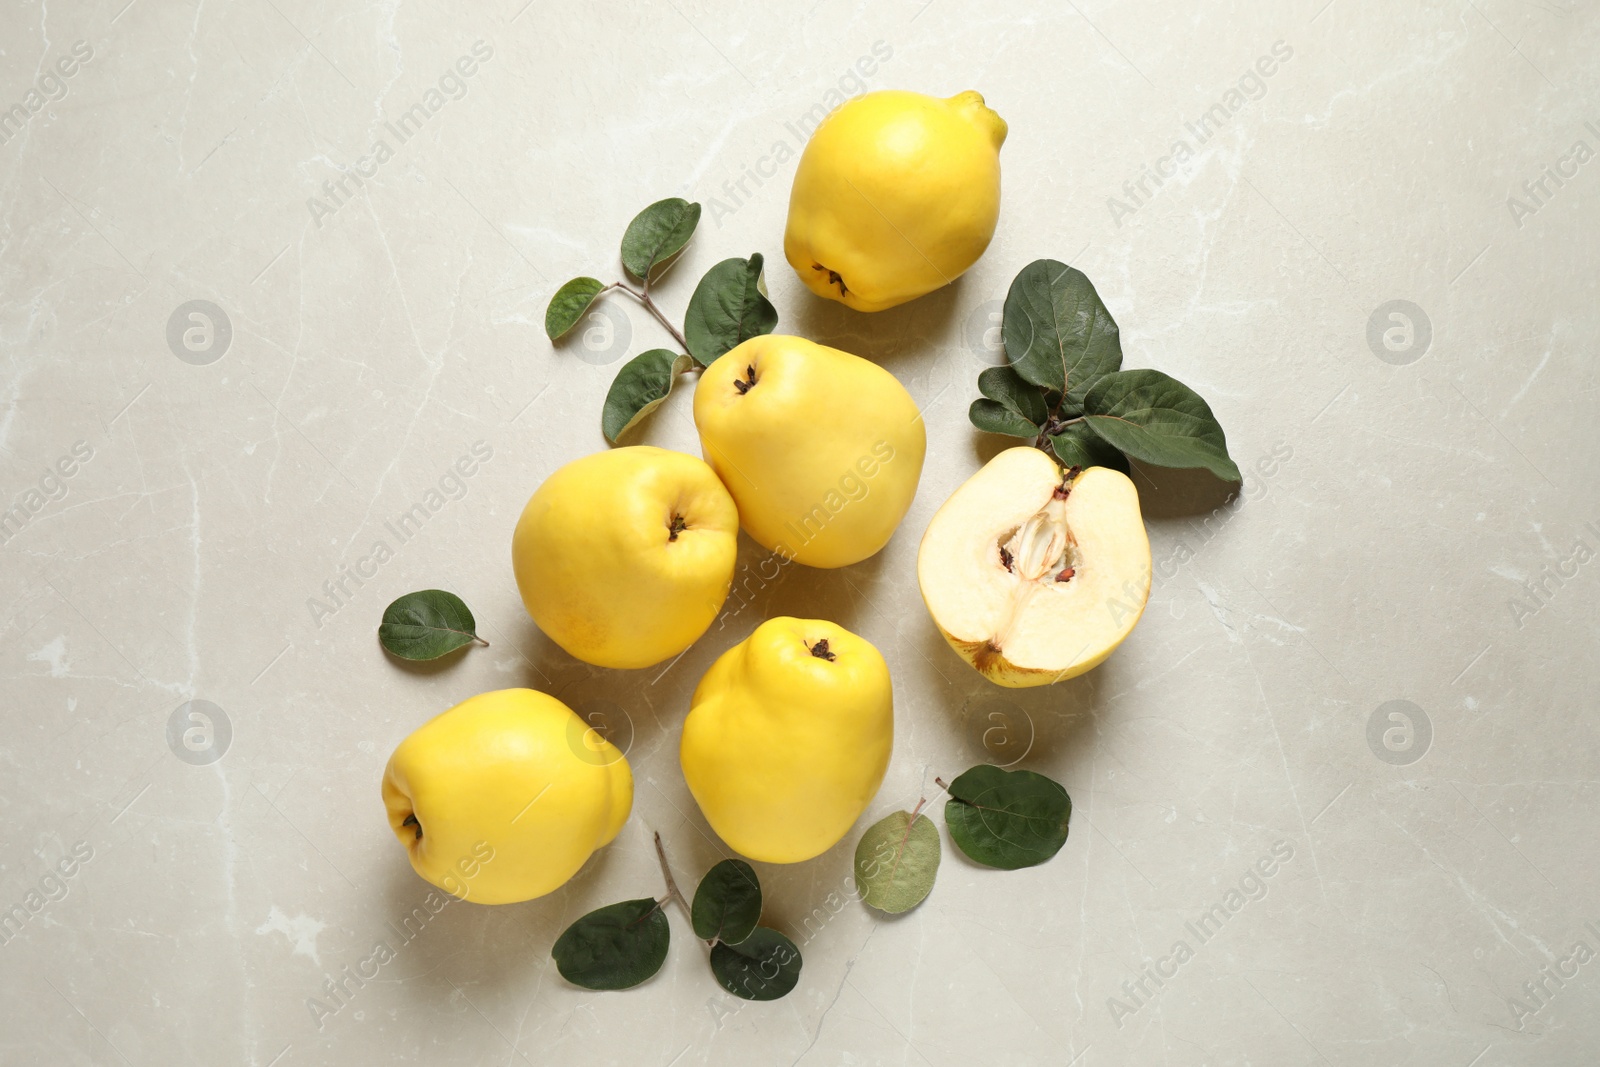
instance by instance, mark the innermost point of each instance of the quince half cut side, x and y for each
(1035, 574)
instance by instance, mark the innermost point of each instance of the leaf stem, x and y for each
(643, 297)
(1052, 425)
(666, 872)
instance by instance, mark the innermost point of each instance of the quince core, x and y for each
(1032, 573)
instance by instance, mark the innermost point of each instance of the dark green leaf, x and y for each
(1057, 332)
(614, 947)
(658, 233)
(1008, 388)
(1156, 419)
(639, 388)
(896, 861)
(1007, 819)
(426, 625)
(729, 306)
(568, 305)
(727, 905)
(1079, 446)
(991, 417)
(764, 966)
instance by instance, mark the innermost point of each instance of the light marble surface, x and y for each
(1378, 554)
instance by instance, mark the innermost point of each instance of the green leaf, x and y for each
(426, 625)
(764, 966)
(1078, 446)
(1057, 332)
(639, 388)
(729, 306)
(896, 861)
(568, 305)
(1156, 419)
(614, 947)
(992, 417)
(1008, 388)
(727, 905)
(1007, 819)
(658, 233)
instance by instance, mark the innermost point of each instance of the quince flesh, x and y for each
(1034, 574)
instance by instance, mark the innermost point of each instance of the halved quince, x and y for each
(1033, 573)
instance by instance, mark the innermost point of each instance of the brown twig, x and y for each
(666, 872)
(643, 297)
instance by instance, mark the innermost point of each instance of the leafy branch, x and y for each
(1063, 387)
(624, 944)
(728, 306)
(642, 295)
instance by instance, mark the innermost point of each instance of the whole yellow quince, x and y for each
(822, 450)
(624, 557)
(788, 738)
(895, 195)
(503, 797)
